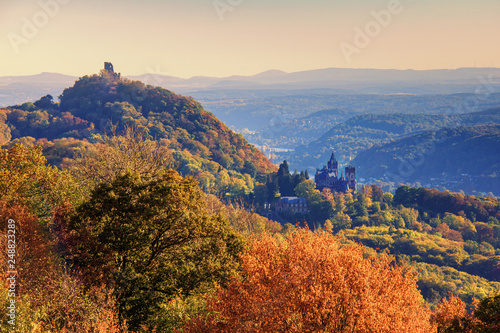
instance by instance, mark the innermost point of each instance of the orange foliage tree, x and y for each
(310, 282)
(451, 316)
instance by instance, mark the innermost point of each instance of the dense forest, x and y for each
(120, 214)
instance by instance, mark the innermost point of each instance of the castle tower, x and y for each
(109, 67)
(333, 164)
(350, 175)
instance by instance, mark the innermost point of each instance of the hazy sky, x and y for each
(191, 37)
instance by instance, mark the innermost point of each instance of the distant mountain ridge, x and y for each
(45, 77)
(338, 80)
(356, 80)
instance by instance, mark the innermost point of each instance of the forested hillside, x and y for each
(463, 158)
(364, 131)
(100, 104)
(256, 109)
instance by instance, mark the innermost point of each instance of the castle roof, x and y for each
(292, 200)
(325, 174)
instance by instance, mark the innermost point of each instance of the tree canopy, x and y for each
(312, 283)
(151, 240)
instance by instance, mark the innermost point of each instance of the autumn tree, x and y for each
(130, 152)
(20, 168)
(312, 283)
(451, 316)
(153, 241)
(448, 233)
(488, 314)
(342, 221)
(26, 178)
(307, 189)
(328, 226)
(48, 299)
(377, 193)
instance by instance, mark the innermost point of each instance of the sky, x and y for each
(186, 38)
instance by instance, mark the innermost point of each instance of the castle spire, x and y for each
(332, 158)
(333, 164)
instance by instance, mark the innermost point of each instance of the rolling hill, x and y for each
(95, 104)
(365, 131)
(463, 158)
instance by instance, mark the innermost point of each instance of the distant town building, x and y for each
(294, 204)
(328, 177)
